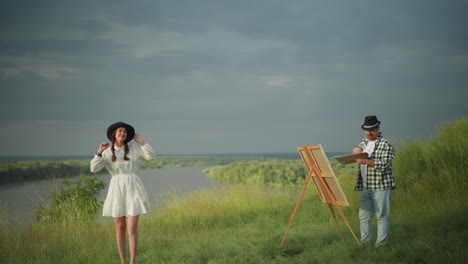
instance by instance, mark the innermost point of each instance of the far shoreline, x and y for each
(278, 155)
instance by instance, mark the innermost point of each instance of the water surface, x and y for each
(21, 198)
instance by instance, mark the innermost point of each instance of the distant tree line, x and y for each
(273, 172)
(12, 171)
(27, 170)
(267, 172)
(259, 169)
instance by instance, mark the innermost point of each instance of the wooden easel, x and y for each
(325, 182)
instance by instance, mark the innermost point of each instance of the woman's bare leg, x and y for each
(120, 229)
(133, 237)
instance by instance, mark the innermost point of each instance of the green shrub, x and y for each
(73, 202)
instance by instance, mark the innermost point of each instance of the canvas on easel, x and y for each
(314, 155)
(325, 182)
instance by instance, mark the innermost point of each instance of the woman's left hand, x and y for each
(138, 139)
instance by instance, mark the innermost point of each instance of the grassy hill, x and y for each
(244, 223)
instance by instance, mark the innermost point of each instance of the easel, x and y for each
(325, 182)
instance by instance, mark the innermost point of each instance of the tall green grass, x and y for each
(433, 173)
(245, 223)
(447, 151)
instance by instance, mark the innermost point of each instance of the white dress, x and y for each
(127, 195)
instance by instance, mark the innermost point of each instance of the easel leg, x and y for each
(297, 207)
(347, 224)
(336, 221)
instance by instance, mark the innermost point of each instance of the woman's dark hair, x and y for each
(113, 149)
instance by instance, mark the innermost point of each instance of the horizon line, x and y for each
(186, 154)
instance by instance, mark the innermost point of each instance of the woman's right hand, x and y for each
(102, 147)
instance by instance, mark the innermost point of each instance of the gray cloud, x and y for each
(251, 76)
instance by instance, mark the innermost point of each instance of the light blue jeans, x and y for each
(378, 203)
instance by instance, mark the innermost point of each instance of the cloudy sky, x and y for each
(198, 77)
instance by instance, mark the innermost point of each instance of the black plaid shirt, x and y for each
(379, 177)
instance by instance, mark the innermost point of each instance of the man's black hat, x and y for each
(370, 123)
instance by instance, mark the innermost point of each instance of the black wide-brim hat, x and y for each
(370, 123)
(129, 128)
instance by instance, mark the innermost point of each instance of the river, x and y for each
(21, 198)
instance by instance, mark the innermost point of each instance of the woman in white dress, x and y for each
(127, 197)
